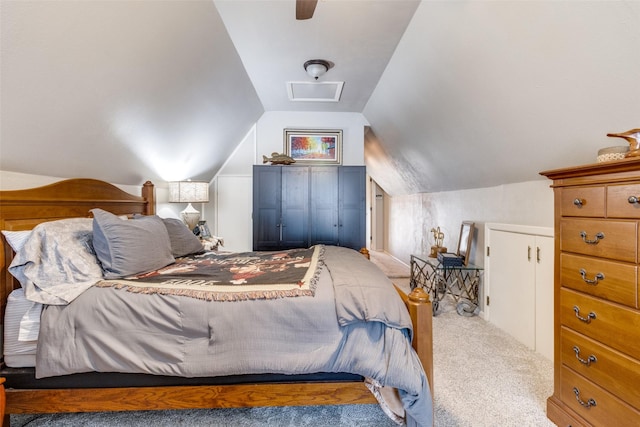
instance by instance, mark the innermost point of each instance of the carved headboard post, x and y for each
(149, 194)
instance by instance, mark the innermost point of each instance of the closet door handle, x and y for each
(528, 253)
(538, 254)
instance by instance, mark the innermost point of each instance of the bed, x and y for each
(88, 391)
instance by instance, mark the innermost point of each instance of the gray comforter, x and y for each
(355, 323)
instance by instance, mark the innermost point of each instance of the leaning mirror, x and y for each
(464, 244)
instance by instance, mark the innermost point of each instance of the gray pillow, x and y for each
(183, 241)
(128, 247)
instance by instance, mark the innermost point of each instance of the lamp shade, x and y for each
(188, 192)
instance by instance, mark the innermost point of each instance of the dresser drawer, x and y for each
(611, 280)
(593, 403)
(609, 323)
(582, 201)
(600, 238)
(602, 365)
(618, 205)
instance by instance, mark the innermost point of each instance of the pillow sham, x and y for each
(16, 239)
(57, 262)
(183, 241)
(125, 248)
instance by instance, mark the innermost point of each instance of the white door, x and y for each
(512, 284)
(233, 208)
(544, 295)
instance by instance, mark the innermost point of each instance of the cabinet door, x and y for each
(324, 205)
(520, 273)
(512, 292)
(352, 207)
(544, 295)
(295, 207)
(267, 194)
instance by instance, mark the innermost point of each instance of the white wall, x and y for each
(270, 132)
(232, 188)
(409, 218)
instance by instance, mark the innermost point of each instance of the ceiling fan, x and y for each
(305, 9)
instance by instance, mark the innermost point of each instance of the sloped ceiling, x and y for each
(459, 94)
(122, 91)
(483, 93)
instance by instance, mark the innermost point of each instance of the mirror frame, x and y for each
(464, 242)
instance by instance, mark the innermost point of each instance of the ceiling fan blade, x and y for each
(305, 8)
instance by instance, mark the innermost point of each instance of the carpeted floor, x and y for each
(482, 378)
(392, 267)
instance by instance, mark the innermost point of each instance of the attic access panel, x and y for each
(315, 91)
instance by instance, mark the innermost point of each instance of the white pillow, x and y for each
(57, 262)
(16, 239)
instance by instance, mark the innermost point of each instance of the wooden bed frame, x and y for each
(23, 209)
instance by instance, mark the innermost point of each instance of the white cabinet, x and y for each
(519, 283)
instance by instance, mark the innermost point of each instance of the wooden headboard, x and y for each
(72, 198)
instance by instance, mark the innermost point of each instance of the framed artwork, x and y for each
(464, 243)
(313, 146)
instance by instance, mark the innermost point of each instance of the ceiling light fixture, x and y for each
(316, 67)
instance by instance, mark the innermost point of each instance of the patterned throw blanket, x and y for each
(232, 277)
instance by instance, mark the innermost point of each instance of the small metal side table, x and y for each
(461, 282)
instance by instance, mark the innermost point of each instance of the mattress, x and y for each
(21, 326)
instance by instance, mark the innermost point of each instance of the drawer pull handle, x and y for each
(634, 200)
(588, 361)
(587, 319)
(594, 281)
(599, 236)
(579, 202)
(588, 404)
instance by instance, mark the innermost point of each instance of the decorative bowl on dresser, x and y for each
(597, 312)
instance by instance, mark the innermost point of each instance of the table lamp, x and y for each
(189, 192)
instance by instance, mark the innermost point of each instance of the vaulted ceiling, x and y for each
(458, 94)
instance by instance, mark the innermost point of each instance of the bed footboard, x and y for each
(419, 305)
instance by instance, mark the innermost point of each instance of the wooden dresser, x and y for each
(597, 316)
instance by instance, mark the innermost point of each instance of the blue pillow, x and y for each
(183, 241)
(128, 247)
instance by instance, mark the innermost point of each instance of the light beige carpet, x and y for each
(483, 377)
(392, 267)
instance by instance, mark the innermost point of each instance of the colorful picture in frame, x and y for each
(313, 146)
